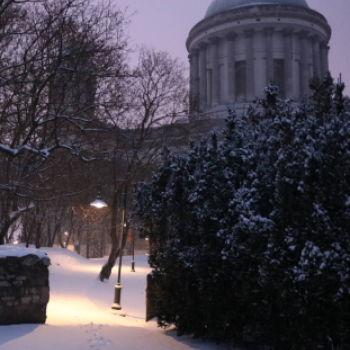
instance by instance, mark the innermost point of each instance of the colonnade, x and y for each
(213, 70)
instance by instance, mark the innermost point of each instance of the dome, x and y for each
(218, 6)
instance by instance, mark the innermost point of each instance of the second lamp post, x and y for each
(118, 288)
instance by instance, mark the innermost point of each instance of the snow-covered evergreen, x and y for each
(250, 237)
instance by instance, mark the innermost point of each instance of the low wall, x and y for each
(24, 285)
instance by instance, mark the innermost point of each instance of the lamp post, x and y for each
(118, 288)
(133, 246)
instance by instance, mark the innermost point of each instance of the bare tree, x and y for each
(158, 95)
(58, 60)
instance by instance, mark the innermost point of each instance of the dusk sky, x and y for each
(165, 24)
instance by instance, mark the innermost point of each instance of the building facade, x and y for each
(243, 45)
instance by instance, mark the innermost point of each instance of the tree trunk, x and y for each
(29, 235)
(49, 235)
(56, 229)
(38, 235)
(4, 227)
(88, 247)
(107, 268)
(115, 252)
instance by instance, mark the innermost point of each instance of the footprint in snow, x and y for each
(96, 341)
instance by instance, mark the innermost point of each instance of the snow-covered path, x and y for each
(80, 317)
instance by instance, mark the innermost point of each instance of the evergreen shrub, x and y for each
(250, 236)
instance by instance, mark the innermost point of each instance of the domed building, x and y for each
(243, 45)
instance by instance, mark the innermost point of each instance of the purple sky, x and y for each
(165, 24)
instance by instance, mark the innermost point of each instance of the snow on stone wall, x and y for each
(24, 285)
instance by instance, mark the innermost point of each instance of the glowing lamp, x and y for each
(99, 203)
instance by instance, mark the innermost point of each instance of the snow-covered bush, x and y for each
(250, 238)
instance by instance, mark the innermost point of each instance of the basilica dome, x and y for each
(218, 6)
(242, 46)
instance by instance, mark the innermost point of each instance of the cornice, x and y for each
(259, 11)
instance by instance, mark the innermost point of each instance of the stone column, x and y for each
(304, 63)
(316, 56)
(214, 48)
(249, 34)
(259, 64)
(194, 80)
(288, 62)
(230, 68)
(269, 54)
(202, 63)
(324, 49)
(209, 87)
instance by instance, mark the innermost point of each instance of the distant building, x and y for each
(243, 45)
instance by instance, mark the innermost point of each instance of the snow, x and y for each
(20, 251)
(80, 315)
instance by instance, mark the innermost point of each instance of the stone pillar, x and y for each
(209, 87)
(194, 80)
(304, 63)
(288, 63)
(259, 64)
(316, 56)
(249, 34)
(230, 67)
(324, 49)
(202, 63)
(215, 90)
(269, 54)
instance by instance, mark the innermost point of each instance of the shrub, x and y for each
(250, 236)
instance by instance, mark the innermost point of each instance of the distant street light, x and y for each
(64, 244)
(133, 257)
(133, 244)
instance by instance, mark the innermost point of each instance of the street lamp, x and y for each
(99, 204)
(118, 288)
(133, 246)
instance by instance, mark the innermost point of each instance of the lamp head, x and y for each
(99, 203)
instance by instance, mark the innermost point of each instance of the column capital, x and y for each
(202, 46)
(231, 36)
(315, 38)
(324, 45)
(193, 52)
(287, 32)
(215, 40)
(268, 31)
(304, 34)
(249, 33)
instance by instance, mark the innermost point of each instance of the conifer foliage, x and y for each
(250, 237)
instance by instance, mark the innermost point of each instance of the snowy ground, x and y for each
(80, 317)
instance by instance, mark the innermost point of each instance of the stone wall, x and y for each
(24, 289)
